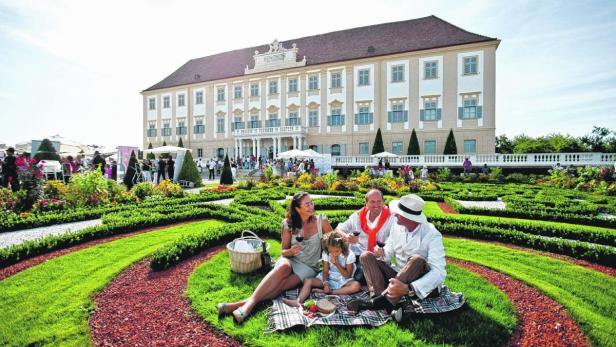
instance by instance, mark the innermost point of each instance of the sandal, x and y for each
(221, 307)
(239, 316)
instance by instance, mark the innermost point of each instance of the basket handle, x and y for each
(254, 236)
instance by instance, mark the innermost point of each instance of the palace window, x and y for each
(430, 70)
(199, 98)
(181, 129)
(396, 148)
(470, 146)
(254, 90)
(364, 77)
(335, 150)
(220, 94)
(336, 118)
(237, 123)
(220, 125)
(166, 102)
(237, 92)
(313, 82)
(199, 128)
(470, 65)
(430, 111)
(181, 100)
(364, 116)
(397, 73)
(469, 110)
(166, 130)
(151, 104)
(363, 148)
(152, 129)
(293, 85)
(398, 114)
(273, 87)
(336, 80)
(254, 122)
(313, 118)
(430, 147)
(293, 119)
(199, 152)
(273, 120)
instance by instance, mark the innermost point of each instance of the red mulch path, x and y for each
(22, 265)
(541, 320)
(446, 208)
(146, 308)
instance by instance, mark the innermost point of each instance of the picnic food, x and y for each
(325, 306)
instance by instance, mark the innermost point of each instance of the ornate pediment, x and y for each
(277, 57)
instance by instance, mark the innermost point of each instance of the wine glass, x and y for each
(356, 233)
(299, 237)
(381, 244)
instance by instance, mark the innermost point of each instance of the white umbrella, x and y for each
(311, 153)
(384, 155)
(166, 149)
(294, 153)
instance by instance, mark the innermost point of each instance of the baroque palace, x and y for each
(331, 92)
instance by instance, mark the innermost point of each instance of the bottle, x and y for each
(266, 259)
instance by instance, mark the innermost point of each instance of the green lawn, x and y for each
(488, 320)
(589, 296)
(49, 304)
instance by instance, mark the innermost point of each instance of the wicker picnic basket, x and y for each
(246, 261)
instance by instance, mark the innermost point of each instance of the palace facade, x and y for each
(331, 92)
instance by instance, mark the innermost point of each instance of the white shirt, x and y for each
(425, 241)
(353, 223)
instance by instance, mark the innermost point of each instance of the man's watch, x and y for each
(411, 290)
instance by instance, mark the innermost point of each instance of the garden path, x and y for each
(498, 205)
(17, 237)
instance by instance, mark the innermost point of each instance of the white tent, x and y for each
(384, 155)
(166, 149)
(311, 153)
(294, 153)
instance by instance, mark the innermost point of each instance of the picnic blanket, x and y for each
(283, 316)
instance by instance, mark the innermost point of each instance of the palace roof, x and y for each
(357, 43)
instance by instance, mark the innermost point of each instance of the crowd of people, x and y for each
(393, 250)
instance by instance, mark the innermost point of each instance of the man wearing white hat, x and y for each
(411, 263)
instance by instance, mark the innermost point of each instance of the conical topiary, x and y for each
(150, 155)
(413, 144)
(450, 145)
(164, 155)
(189, 170)
(46, 151)
(180, 143)
(226, 177)
(130, 171)
(378, 143)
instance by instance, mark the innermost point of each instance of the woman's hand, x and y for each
(333, 260)
(326, 288)
(295, 249)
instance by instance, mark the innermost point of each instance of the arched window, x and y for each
(335, 150)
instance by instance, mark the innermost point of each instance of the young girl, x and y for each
(337, 274)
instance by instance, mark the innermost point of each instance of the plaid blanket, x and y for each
(445, 302)
(283, 316)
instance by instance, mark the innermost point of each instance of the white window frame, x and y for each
(336, 80)
(254, 90)
(273, 87)
(471, 62)
(474, 141)
(363, 77)
(367, 148)
(152, 104)
(313, 82)
(166, 101)
(430, 69)
(220, 94)
(237, 89)
(199, 97)
(293, 85)
(181, 100)
(397, 73)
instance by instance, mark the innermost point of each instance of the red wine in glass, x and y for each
(356, 233)
(380, 244)
(299, 238)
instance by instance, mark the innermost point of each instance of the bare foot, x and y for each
(293, 303)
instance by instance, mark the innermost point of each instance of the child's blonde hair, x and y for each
(335, 239)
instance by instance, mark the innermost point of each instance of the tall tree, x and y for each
(226, 177)
(180, 143)
(189, 170)
(450, 145)
(46, 151)
(413, 144)
(150, 155)
(503, 145)
(378, 143)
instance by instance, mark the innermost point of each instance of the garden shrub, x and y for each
(31, 178)
(226, 177)
(142, 190)
(131, 171)
(189, 170)
(47, 205)
(169, 189)
(55, 189)
(8, 200)
(378, 143)
(450, 145)
(88, 189)
(46, 151)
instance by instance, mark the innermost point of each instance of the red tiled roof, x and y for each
(388, 38)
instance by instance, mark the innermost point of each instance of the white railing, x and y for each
(501, 160)
(282, 130)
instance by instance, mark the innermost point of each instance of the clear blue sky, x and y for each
(76, 68)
